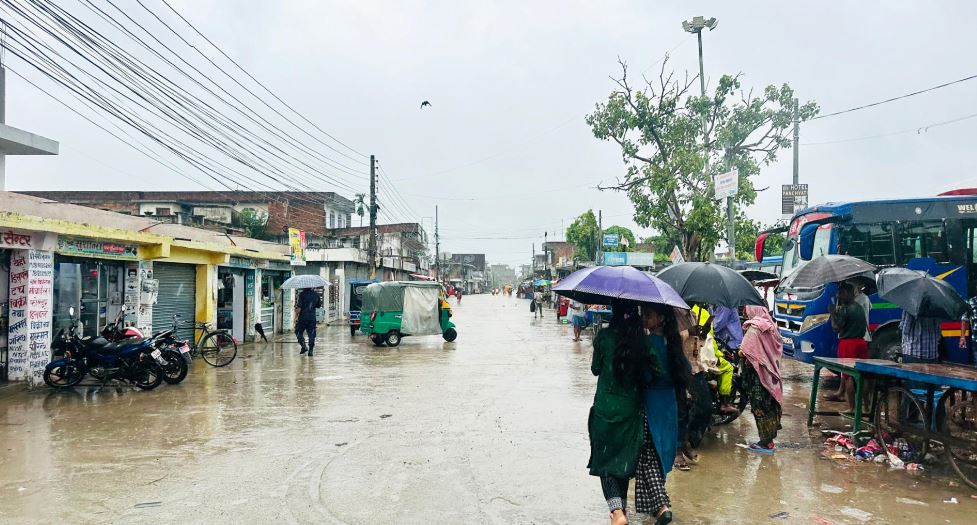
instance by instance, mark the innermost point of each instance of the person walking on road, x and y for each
(762, 348)
(661, 409)
(538, 299)
(577, 318)
(619, 444)
(305, 307)
(848, 321)
(458, 294)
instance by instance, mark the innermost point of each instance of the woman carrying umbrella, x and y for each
(762, 347)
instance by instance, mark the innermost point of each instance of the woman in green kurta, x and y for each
(622, 362)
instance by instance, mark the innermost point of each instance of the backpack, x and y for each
(532, 306)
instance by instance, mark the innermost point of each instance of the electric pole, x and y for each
(696, 26)
(437, 246)
(797, 140)
(600, 237)
(373, 217)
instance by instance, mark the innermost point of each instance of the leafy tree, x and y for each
(582, 234)
(360, 205)
(669, 167)
(254, 222)
(747, 232)
(624, 233)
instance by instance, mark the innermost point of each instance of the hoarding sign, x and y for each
(793, 198)
(296, 245)
(612, 240)
(615, 258)
(726, 184)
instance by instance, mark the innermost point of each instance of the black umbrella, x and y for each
(705, 283)
(828, 269)
(920, 294)
(758, 275)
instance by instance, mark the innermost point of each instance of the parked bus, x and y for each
(937, 235)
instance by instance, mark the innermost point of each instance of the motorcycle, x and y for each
(134, 360)
(176, 357)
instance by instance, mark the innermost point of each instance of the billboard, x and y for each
(612, 240)
(474, 261)
(793, 199)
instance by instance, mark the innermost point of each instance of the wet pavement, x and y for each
(488, 429)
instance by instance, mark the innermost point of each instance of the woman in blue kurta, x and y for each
(661, 409)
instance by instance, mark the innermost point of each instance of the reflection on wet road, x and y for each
(489, 429)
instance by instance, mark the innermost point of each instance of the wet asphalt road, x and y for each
(489, 429)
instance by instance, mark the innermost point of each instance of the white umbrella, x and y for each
(305, 281)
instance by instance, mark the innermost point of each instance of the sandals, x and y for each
(681, 465)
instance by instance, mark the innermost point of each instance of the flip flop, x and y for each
(684, 467)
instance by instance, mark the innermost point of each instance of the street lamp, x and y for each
(696, 25)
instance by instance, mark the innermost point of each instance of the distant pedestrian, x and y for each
(848, 321)
(578, 318)
(920, 338)
(538, 300)
(458, 294)
(305, 308)
(620, 443)
(762, 349)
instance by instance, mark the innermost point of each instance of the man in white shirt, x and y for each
(577, 318)
(538, 298)
(862, 300)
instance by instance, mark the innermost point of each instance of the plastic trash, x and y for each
(914, 466)
(951, 500)
(895, 462)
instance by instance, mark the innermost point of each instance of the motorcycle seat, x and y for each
(118, 346)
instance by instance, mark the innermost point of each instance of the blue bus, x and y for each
(935, 234)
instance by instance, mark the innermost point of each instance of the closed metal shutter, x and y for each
(177, 296)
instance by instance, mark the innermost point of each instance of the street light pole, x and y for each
(696, 25)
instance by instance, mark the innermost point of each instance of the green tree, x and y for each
(582, 234)
(747, 232)
(253, 222)
(669, 168)
(360, 205)
(624, 233)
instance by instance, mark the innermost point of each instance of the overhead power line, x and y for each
(920, 130)
(893, 99)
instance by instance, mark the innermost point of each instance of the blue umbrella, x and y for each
(604, 284)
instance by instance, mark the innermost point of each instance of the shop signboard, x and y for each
(296, 245)
(241, 262)
(24, 240)
(99, 249)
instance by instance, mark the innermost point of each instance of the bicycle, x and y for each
(216, 346)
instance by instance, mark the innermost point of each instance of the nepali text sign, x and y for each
(612, 240)
(90, 248)
(726, 184)
(29, 332)
(793, 198)
(296, 245)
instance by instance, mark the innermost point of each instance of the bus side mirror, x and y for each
(758, 249)
(807, 241)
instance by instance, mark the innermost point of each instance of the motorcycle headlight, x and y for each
(814, 321)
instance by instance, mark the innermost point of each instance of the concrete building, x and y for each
(57, 258)
(315, 212)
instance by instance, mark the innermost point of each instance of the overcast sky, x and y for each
(504, 150)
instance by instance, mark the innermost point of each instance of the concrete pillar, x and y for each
(31, 300)
(206, 310)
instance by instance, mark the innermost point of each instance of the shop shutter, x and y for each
(177, 296)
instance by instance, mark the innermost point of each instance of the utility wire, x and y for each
(256, 81)
(900, 97)
(918, 130)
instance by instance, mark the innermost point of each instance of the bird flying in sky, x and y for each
(425, 103)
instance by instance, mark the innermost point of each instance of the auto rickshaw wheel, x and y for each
(450, 334)
(393, 338)
(352, 330)
(377, 340)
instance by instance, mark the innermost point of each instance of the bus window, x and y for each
(869, 242)
(922, 239)
(822, 241)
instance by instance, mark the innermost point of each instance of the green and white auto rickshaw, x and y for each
(396, 309)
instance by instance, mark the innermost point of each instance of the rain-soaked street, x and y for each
(489, 429)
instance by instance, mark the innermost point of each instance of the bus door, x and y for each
(970, 257)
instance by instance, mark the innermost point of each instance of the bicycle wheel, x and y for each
(218, 349)
(957, 417)
(898, 419)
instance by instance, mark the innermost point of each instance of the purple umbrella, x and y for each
(604, 284)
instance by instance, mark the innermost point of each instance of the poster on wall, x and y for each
(296, 244)
(29, 333)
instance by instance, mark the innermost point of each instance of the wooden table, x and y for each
(841, 366)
